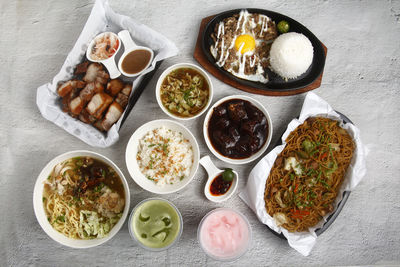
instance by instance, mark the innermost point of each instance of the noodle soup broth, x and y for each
(83, 198)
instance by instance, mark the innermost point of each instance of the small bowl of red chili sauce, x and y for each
(221, 184)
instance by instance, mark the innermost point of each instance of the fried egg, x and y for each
(245, 43)
(242, 44)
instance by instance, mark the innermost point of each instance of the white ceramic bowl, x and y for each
(133, 167)
(231, 160)
(169, 70)
(41, 215)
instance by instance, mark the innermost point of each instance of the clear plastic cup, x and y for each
(132, 231)
(216, 253)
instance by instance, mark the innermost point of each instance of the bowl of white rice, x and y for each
(162, 156)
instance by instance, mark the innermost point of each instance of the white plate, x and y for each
(41, 215)
(168, 71)
(133, 167)
(252, 157)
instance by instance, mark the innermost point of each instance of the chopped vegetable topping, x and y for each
(60, 218)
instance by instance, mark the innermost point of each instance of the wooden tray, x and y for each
(201, 58)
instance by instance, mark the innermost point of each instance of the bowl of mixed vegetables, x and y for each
(184, 91)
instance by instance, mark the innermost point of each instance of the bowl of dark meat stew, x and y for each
(237, 129)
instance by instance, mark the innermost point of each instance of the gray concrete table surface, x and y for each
(361, 80)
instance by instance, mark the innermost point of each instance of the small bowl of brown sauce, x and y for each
(221, 184)
(237, 129)
(135, 59)
(184, 91)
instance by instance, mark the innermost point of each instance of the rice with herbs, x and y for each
(165, 156)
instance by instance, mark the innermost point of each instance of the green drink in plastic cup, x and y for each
(156, 224)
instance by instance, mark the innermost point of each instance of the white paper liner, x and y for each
(253, 194)
(101, 19)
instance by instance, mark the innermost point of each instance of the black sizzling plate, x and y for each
(275, 83)
(331, 218)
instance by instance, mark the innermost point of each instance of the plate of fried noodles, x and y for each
(306, 176)
(299, 188)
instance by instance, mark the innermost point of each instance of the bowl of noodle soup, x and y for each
(81, 199)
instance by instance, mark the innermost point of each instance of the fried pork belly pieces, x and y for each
(82, 68)
(98, 104)
(86, 117)
(76, 105)
(96, 100)
(68, 86)
(95, 72)
(113, 114)
(123, 97)
(90, 90)
(67, 99)
(122, 100)
(127, 89)
(114, 87)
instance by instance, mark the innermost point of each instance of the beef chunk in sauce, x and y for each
(243, 145)
(224, 140)
(254, 144)
(220, 111)
(234, 133)
(222, 123)
(254, 113)
(249, 126)
(237, 111)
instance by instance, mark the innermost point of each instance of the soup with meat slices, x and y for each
(83, 198)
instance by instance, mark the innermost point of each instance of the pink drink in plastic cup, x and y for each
(224, 234)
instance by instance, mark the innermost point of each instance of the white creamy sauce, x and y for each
(264, 24)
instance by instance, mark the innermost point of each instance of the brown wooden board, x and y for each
(203, 61)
